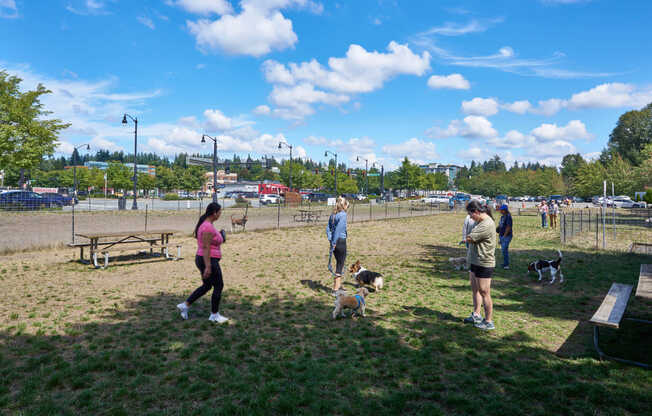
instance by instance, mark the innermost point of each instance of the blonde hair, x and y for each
(341, 204)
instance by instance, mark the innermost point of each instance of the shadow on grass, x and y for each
(587, 278)
(284, 355)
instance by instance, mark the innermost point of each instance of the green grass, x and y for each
(111, 353)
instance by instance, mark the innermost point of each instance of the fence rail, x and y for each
(614, 229)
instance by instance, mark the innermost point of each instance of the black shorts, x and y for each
(482, 272)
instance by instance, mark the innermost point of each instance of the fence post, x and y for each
(353, 213)
(562, 226)
(370, 215)
(399, 208)
(581, 220)
(278, 215)
(146, 209)
(597, 230)
(386, 209)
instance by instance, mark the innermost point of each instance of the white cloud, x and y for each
(87, 7)
(574, 130)
(474, 153)
(64, 147)
(298, 86)
(98, 143)
(8, 9)
(295, 102)
(452, 81)
(189, 121)
(457, 29)
(414, 149)
(257, 30)
(203, 7)
(549, 107)
(200, 66)
(359, 71)
(611, 95)
(471, 127)
(146, 21)
(591, 156)
(358, 146)
(262, 110)
(512, 140)
(556, 148)
(216, 120)
(316, 141)
(519, 107)
(480, 106)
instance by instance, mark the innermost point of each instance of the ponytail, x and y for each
(475, 206)
(211, 209)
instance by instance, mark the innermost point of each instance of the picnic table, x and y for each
(124, 241)
(612, 310)
(308, 215)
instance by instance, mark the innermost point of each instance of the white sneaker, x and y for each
(184, 310)
(216, 317)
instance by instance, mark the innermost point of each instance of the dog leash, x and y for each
(330, 261)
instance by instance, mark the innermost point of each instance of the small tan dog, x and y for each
(458, 262)
(356, 303)
(238, 221)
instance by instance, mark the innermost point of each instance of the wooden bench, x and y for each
(610, 314)
(165, 251)
(644, 288)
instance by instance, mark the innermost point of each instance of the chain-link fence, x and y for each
(610, 228)
(37, 229)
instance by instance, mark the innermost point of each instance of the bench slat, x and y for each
(644, 288)
(612, 309)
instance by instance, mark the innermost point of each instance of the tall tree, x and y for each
(632, 133)
(26, 135)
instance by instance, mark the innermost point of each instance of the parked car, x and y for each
(435, 199)
(319, 197)
(623, 201)
(249, 194)
(557, 198)
(58, 200)
(577, 199)
(266, 199)
(22, 200)
(502, 199)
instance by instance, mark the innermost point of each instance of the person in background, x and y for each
(207, 260)
(451, 204)
(482, 260)
(554, 210)
(543, 210)
(336, 234)
(504, 231)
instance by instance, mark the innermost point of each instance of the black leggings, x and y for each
(215, 281)
(340, 255)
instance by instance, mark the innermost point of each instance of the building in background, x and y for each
(223, 178)
(451, 171)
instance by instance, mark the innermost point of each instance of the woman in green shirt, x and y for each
(482, 260)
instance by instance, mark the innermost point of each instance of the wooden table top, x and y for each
(123, 233)
(644, 288)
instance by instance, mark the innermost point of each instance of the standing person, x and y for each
(554, 210)
(543, 210)
(207, 260)
(336, 234)
(504, 231)
(466, 229)
(482, 260)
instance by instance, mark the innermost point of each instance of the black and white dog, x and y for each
(553, 265)
(366, 277)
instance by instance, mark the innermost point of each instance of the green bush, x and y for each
(648, 196)
(171, 197)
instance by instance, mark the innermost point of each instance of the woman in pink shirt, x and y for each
(207, 261)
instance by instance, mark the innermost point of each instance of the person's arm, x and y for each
(464, 228)
(340, 227)
(329, 231)
(206, 239)
(480, 232)
(508, 226)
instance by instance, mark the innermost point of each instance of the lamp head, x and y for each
(124, 119)
(357, 158)
(279, 145)
(326, 153)
(88, 147)
(203, 138)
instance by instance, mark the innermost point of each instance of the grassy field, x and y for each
(74, 340)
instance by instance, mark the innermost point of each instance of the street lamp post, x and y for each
(280, 145)
(135, 120)
(203, 140)
(334, 154)
(382, 179)
(366, 171)
(74, 184)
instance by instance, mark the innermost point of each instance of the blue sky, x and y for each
(436, 81)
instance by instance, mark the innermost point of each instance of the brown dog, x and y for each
(238, 221)
(356, 303)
